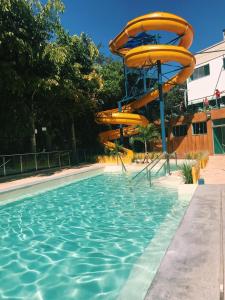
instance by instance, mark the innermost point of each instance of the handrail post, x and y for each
(161, 106)
(175, 153)
(168, 163)
(77, 156)
(165, 166)
(4, 168)
(48, 161)
(69, 158)
(21, 164)
(150, 178)
(59, 160)
(35, 161)
(152, 164)
(122, 163)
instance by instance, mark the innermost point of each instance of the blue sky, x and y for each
(103, 19)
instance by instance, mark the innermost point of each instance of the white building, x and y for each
(209, 74)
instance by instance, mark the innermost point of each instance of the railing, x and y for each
(152, 164)
(165, 164)
(124, 169)
(149, 165)
(29, 162)
(4, 164)
(85, 155)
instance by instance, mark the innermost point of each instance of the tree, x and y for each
(78, 83)
(146, 135)
(116, 150)
(173, 99)
(112, 89)
(51, 79)
(26, 28)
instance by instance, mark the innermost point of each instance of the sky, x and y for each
(102, 20)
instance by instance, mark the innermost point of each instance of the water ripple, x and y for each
(80, 241)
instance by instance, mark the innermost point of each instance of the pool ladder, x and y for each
(155, 162)
(124, 169)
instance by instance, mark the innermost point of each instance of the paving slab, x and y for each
(192, 268)
(214, 173)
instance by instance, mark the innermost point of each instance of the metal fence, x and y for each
(85, 156)
(29, 162)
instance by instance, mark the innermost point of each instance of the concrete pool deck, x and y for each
(193, 266)
(45, 176)
(17, 188)
(214, 173)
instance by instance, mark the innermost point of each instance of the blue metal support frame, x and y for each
(144, 39)
(126, 79)
(145, 80)
(162, 108)
(121, 126)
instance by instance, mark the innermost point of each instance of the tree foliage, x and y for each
(174, 98)
(49, 78)
(112, 75)
(146, 135)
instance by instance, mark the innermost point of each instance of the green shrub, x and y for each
(186, 170)
(196, 155)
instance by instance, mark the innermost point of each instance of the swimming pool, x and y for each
(83, 240)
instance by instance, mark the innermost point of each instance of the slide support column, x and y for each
(126, 79)
(121, 126)
(162, 108)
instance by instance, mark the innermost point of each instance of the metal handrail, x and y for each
(4, 163)
(123, 165)
(161, 167)
(153, 163)
(146, 167)
(29, 162)
(33, 153)
(167, 161)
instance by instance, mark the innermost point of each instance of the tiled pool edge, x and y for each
(191, 267)
(39, 186)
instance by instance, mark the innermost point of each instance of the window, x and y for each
(200, 72)
(180, 130)
(219, 122)
(199, 128)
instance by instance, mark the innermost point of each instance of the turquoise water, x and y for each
(80, 241)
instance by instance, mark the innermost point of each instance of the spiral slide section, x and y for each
(144, 55)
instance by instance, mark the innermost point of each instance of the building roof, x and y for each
(208, 54)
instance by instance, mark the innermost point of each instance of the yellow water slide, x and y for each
(141, 56)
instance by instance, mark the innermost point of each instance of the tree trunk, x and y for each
(74, 141)
(48, 141)
(146, 147)
(33, 135)
(32, 114)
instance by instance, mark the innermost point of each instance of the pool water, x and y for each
(80, 241)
